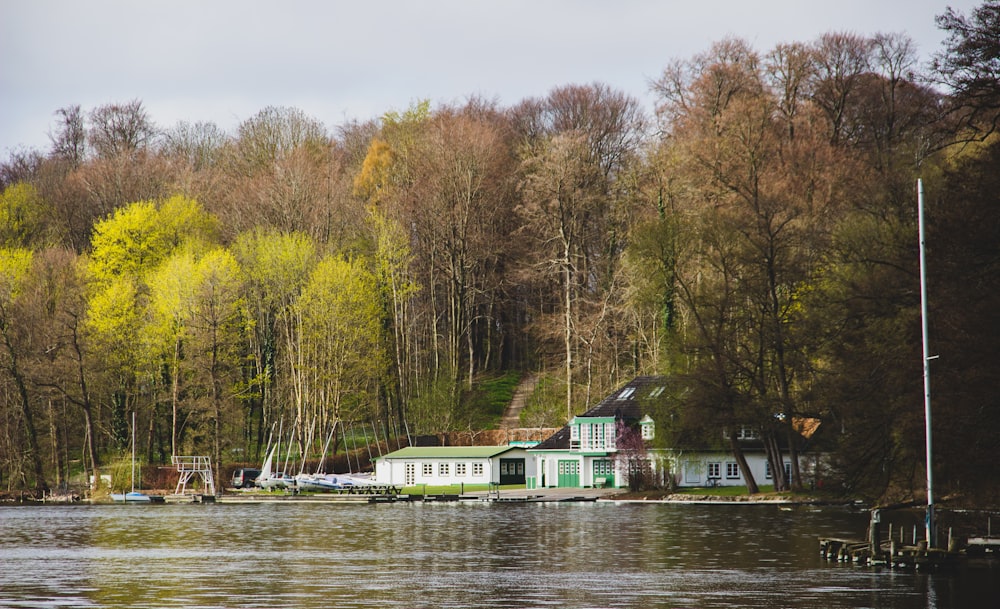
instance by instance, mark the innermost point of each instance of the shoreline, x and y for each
(524, 495)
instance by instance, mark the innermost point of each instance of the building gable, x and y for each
(628, 404)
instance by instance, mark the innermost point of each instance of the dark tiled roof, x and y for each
(557, 441)
(628, 403)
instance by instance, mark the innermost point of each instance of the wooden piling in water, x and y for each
(893, 551)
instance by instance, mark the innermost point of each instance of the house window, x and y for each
(715, 470)
(444, 469)
(477, 469)
(511, 467)
(592, 436)
(768, 474)
(597, 436)
(460, 469)
(732, 470)
(427, 469)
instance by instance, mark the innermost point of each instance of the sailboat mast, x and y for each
(929, 520)
(133, 451)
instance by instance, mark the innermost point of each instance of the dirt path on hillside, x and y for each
(512, 416)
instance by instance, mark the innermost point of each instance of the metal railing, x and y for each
(189, 466)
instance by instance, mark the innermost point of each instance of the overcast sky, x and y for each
(225, 60)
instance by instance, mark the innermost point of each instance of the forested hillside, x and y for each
(755, 239)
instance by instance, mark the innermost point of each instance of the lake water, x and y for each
(494, 555)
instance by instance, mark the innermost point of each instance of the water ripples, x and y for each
(439, 555)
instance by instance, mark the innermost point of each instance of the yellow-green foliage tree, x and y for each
(275, 268)
(129, 335)
(344, 358)
(382, 184)
(195, 327)
(21, 210)
(15, 264)
(213, 350)
(172, 297)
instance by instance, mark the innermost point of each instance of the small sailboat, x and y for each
(319, 480)
(269, 479)
(132, 496)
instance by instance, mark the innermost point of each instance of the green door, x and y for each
(604, 473)
(569, 473)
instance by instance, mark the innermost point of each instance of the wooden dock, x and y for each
(889, 554)
(893, 551)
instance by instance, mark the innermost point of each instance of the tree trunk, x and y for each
(174, 391)
(85, 404)
(24, 402)
(568, 297)
(741, 460)
(793, 455)
(54, 441)
(775, 459)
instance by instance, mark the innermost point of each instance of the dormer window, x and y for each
(647, 427)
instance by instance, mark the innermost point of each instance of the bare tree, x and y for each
(458, 202)
(21, 166)
(557, 203)
(120, 129)
(970, 65)
(69, 142)
(841, 61)
(199, 144)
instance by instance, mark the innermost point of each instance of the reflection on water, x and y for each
(451, 555)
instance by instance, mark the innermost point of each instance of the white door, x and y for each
(411, 474)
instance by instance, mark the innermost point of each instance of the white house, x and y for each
(708, 468)
(719, 467)
(587, 452)
(445, 465)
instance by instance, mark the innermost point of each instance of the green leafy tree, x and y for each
(128, 244)
(963, 264)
